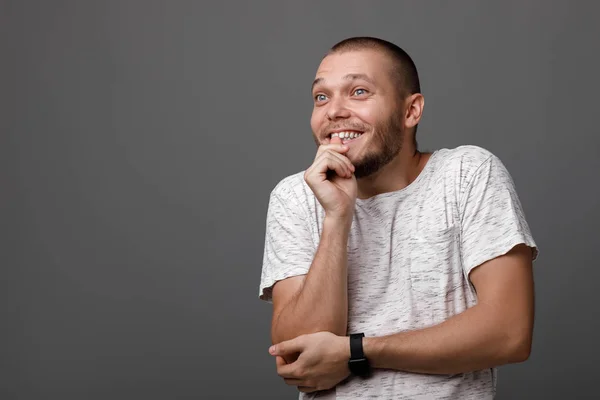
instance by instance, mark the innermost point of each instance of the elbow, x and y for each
(525, 349)
(520, 353)
(519, 349)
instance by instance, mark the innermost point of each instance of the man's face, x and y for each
(355, 95)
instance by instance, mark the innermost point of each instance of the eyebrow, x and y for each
(349, 77)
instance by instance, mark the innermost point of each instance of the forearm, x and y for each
(473, 340)
(322, 302)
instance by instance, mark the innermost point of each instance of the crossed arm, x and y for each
(496, 331)
(312, 352)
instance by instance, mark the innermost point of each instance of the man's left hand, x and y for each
(322, 362)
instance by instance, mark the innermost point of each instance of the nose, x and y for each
(337, 110)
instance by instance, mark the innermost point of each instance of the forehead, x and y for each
(372, 63)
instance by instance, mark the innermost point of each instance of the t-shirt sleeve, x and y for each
(289, 248)
(492, 219)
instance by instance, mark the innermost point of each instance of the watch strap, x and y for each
(356, 346)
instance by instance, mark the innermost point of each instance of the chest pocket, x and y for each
(435, 267)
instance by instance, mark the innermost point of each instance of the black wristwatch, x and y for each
(358, 363)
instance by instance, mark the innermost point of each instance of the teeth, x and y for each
(346, 135)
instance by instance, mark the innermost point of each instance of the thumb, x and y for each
(288, 347)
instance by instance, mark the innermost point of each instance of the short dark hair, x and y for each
(404, 67)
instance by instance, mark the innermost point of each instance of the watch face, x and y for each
(359, 366)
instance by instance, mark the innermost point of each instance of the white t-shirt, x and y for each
(410, 253)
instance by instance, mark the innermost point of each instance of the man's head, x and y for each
(369, 88)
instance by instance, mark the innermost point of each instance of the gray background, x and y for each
(140, 141)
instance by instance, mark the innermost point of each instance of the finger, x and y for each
(294, 370)
(334, 143)
(287, 371)
(280, 361)
(330, 162)
(290, 358)
(287, 347)
(343, 159)
(336, 139)
(337, 147)
(307, 389)
(293, 382)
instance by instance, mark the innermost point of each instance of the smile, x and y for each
(347, 136)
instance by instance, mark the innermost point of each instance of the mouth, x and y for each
(346, 136)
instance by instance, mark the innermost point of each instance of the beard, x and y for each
(387, 139)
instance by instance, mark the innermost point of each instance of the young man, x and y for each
(393, 273)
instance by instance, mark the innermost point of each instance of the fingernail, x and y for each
(272, 349)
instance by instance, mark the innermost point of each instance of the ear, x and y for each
(414, 109)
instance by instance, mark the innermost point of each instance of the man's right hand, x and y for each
(335, 191)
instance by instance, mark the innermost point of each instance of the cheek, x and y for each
(316, 120)
(367, 114)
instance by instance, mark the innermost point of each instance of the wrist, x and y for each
(373, 348)
(344, 347)
(336, 230)
(358, 363)
(338, 220)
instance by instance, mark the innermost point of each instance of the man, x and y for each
(393, 273)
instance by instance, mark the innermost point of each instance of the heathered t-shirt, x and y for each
(410, 253)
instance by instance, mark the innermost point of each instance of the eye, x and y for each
(359, 92)
(320, 97)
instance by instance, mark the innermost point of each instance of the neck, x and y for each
(396, 175)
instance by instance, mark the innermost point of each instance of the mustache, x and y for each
(345, 126)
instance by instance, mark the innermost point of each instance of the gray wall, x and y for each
(140, 141)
